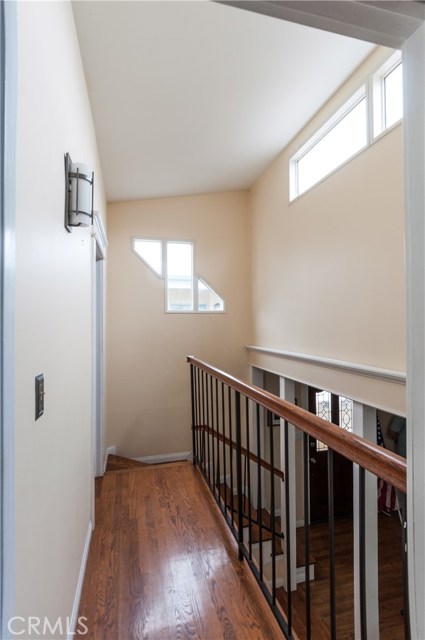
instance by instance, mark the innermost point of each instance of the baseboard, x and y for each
(166, 457)
(300, 523)
(73, 619)
(301, 574)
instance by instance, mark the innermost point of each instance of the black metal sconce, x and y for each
(79, 194)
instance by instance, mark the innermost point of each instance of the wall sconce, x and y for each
(79, 185)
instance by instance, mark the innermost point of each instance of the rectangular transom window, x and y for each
(173, 261)
(388, 94)
(179, 276)
(342, 137)
(374, 108)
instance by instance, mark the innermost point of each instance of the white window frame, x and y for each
(373, 90)
(163, 275)
(338, 116)
(378, 94)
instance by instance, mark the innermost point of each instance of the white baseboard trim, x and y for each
(73, 619)
(300, 523)
(301, 574)
(165, 457)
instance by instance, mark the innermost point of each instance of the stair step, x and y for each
(120, 463)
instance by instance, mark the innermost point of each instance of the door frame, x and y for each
(99, 247)
(8, 93)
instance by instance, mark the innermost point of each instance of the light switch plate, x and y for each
(39, 396)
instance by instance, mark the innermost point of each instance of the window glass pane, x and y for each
(208, 300)
(151, 252)
(346, 413)
(393, 90)
(347, 137)
(179, 276)
(323, 410)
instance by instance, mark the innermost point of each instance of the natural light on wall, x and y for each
(349, 131)
(172, 260)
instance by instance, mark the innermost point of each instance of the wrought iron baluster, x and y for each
(223, 419)
(203, 424)
(306, 442)
(288, 525)
(239, 471)
(231, 458)
(260, 490)
(331, 520)
(247, 426)
(272, 509)
(217, 413)
(212, 435)
(362, 553)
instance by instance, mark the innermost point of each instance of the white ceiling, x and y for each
(197, 97)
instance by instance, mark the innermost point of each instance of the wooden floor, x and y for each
(163, 565)
(118, 463)
(391, 623)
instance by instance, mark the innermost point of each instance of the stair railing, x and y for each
(242, 470)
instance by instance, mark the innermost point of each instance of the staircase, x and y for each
(267, 540)
(119, 463)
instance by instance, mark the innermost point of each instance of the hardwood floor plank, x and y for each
(162, 564)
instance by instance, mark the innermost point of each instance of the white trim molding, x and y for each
(99, 233)
(73, 619)
(166, 457)
(388, 375)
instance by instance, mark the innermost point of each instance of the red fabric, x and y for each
(387, 497)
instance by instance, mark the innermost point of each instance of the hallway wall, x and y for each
(328, 268)
(148, 391)
(53, 468)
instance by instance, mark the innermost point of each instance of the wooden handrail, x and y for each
(381, 462)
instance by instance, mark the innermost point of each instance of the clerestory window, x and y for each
(173, 261)
(351, 129)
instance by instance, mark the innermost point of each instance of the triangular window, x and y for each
(150, 251)
(208, 299)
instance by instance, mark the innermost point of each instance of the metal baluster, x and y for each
(331, 543)
(231, 456)
(203, 423)
(217, 413)
(259, 489)
(272, 508)
(249, 477)
(362, 554)
(192, 394)
(212, 435)
(207, 424)
(198, 417)
(223, 417)
(239, 471)
(307, 533)
(288, 526)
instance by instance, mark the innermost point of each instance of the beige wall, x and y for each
(328, 268)
(53, 475)
(148, 410)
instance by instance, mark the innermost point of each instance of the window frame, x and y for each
(163, 276)
(378, 95)
(347, 107)
(373, 90)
